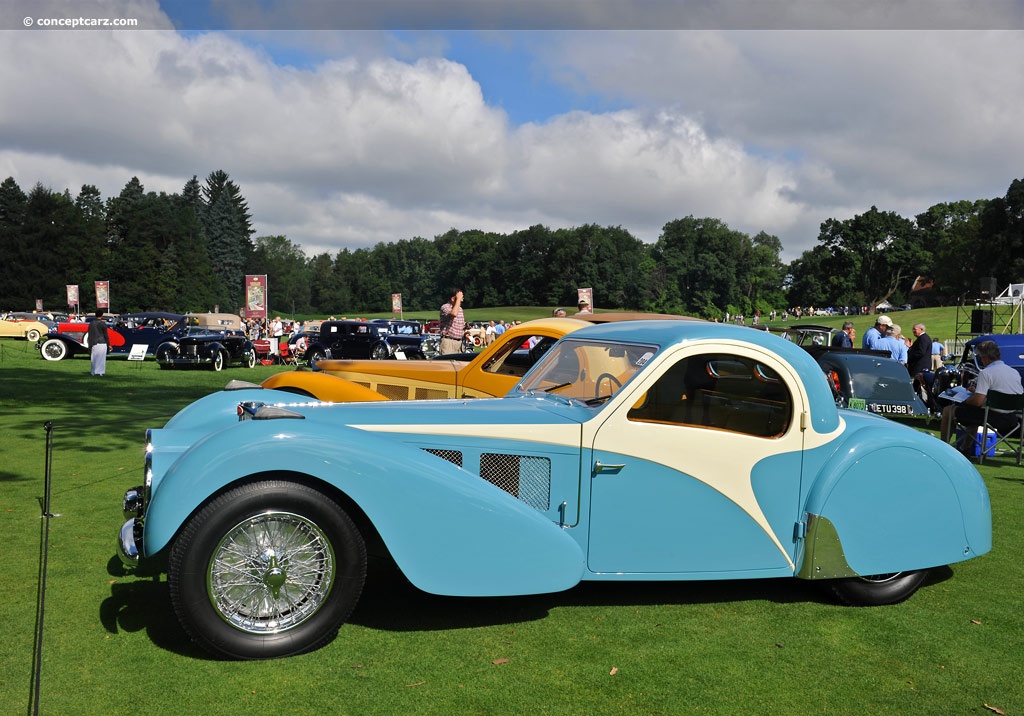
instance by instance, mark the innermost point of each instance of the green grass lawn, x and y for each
(111, 644)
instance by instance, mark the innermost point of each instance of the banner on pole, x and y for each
(72, 295)
(256, 296)
(103, 294)
(396, 303)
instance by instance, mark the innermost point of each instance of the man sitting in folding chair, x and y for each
(997, 377)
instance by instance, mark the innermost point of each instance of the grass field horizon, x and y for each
(111, 645)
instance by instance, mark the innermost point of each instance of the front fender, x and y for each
(321, 386)
(449, 531)
(891, 506)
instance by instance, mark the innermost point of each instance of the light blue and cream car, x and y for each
(649, 450)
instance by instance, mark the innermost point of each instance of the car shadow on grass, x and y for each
(145, 604)
(391, 603)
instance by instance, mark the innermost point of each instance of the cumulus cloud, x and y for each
(773, 131)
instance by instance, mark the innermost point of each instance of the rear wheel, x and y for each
(218, 361)
(54, 349)
(878, 589)
(250, 358)
(266, 570)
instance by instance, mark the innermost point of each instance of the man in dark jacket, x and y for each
(844, 339)
(919, 356)
(97, 338)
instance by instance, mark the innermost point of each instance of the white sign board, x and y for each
(138, 351)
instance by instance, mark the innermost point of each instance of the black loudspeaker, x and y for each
(987, 286)
(981, 321)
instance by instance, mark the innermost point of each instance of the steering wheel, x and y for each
(611, 379)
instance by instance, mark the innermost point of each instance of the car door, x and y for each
(698, 471)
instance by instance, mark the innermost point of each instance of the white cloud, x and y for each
(773, 131)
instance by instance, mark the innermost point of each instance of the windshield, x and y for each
(591, 371)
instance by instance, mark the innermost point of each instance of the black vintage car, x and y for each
(379, 339)
(864, 379)
(200, 346)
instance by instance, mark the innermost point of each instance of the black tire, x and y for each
(878, 589)
(218, 361)
(32, 335)
(266, 570)
(250, 358)
(379, 351)
(164, 355)
(54, 349)
(315, 354)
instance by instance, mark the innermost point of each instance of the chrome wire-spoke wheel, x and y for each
(271, 572)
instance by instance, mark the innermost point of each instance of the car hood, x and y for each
(221, 409)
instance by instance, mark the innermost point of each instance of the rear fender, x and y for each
(878, 507)
(449, 531)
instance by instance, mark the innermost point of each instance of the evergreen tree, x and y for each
(228, 228)
(13, 209)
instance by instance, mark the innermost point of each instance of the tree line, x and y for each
(190, 251)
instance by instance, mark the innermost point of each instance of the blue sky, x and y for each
(348, 124)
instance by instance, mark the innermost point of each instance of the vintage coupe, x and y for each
(660, 450)
(16, 326)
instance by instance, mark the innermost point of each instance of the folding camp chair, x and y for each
(1004, 402)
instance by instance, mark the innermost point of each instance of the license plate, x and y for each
(887, 409)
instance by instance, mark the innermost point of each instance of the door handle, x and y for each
(600, 467)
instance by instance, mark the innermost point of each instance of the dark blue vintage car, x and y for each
(965, 373)
(66, 340)
(647, 450)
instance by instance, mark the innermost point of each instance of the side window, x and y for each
(516, 357)
(721, 392)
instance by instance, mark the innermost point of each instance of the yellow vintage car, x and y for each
(490, 373)
(22, 328)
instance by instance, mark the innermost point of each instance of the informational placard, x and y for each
(138, 351)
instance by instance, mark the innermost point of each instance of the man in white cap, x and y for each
(874, 335)
(583, 306)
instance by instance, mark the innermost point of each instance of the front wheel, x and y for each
(266, 570)
(379, 352)
(54, 349)
(32, 335)
(878, 589)
(314, 355)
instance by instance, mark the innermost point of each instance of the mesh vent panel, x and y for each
(528, 478)
(393, 392)
(452, 456)
(431, 394)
